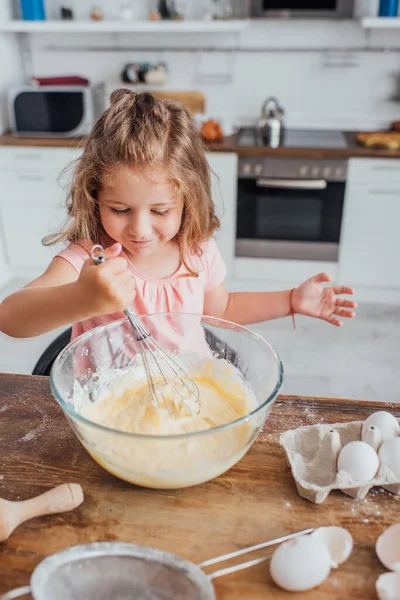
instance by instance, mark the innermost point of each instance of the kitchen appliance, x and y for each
(323, 9)
(270, 123)
(291, 208)
(166, 461)
(104, 570)
(55, 111)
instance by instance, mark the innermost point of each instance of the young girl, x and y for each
(142, 190)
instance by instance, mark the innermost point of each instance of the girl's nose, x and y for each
(140, 226)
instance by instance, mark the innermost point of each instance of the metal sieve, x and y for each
(120, 571)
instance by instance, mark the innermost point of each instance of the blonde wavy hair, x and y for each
(139, 130)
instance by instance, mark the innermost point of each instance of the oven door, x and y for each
(336, 9)
(289, 219)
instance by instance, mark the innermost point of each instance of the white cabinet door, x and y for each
(31, 207)
(31, 203)
(370, 240)
(224, 192)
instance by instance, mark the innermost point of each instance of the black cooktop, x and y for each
(296, 138)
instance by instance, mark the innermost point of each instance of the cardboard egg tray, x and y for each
(312, 458)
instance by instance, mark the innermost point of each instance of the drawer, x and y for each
(377, 172)
(28, 157)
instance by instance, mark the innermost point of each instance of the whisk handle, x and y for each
(97, 253)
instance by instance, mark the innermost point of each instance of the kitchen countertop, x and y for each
(229, 144)
(255, 501)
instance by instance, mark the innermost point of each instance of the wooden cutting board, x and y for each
(194, 101)
(255, 501)
(389, 140)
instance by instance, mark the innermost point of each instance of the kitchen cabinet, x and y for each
(370, 239)
(31, 205)
(224, 166)
(29, 212)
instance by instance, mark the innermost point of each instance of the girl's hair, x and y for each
(140, 131)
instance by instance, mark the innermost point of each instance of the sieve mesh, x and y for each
(83, 573)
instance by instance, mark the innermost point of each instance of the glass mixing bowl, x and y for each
(160, 461)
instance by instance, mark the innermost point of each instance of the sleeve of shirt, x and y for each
(214, 266)
(76, 255)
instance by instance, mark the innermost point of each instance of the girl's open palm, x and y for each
(314, 300)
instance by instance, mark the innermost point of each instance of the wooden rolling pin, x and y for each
(60, 499)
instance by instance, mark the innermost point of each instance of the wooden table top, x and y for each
(255, 501)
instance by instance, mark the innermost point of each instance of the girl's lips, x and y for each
(141, 241)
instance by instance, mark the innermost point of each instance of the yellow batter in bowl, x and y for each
(126, 405)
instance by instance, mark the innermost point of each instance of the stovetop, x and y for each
(296, 138)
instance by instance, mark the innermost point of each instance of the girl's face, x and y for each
(139, 210)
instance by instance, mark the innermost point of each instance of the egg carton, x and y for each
(312, 453)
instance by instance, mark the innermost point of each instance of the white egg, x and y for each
(338, 541)
(387, 424)
(388, 586)
(389, 455)
(388, 547)
(300, 564)
(358, 460)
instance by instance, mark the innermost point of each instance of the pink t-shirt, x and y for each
(177, 293)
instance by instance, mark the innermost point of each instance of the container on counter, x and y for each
(33, 10)
(388, 8)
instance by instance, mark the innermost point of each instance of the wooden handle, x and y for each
(62, 498)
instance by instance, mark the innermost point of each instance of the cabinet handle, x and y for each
(296, 184)
(28, 156)
(30, 178)
(385, 193)
(387, 168)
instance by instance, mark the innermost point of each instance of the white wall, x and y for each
(344, 89)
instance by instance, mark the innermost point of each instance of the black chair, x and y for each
(45, 362)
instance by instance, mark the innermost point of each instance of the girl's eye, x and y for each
(160, 213)
(120, 211)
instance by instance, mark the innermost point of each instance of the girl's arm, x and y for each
(310, 298)
(60, 296)
(48, 302)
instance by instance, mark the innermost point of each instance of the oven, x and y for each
(323, 9)
(290, 208)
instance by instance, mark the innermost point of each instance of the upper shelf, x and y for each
(219, 26)
(381, 22)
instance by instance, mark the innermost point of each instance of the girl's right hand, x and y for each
(108, 287)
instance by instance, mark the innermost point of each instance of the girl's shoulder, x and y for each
(212, 264)
(76, 253)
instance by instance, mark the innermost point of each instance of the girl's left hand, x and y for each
(314, 300)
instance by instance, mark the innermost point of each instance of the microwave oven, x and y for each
(306, 9)
(55, 111)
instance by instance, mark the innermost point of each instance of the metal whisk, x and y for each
(184, 389)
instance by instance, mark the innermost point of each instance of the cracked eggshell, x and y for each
(300, 564)
(388, 548)
(388, 586)
(389, 455)
(387, 424)
(359, 460)
(338, 541)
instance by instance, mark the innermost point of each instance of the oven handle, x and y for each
(298, 184)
